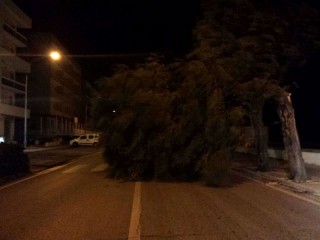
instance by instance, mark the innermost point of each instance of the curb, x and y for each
(282, 181)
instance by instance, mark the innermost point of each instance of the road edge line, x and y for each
(135, 228)
(49, 170)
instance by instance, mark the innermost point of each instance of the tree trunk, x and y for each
(291, 138)
(261, 139)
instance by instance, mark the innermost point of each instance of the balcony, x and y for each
(14, 12)
(22, 40)
(17, 63)
(10, 110)
(15, 85)
(6, 49)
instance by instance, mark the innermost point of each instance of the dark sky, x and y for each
(114, 26)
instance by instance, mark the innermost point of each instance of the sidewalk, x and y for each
(246, 164)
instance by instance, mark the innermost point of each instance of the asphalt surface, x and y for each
(248, 210)
(74, 202)
(78, 201)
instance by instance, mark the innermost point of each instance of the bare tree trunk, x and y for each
(291, 138)
(261, 139)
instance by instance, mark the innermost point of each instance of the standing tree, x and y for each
(261, 40)
(255, 94)
(291, 138)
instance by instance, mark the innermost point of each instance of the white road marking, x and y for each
(135, 228)
(75, 168)
(100, 168)
(34, 176)
(281, 190)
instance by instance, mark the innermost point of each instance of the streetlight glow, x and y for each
(55, 55)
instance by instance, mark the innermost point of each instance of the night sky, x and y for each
(115, 27)
(132, 28)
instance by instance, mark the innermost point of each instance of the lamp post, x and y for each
(25, 111)
(55, 56)
(86, 119)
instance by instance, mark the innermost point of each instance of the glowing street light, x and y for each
(55, 56)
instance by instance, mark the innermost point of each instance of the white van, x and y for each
(85, 140)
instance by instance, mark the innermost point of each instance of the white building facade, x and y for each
(13, 71)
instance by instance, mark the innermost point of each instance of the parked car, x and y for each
(85, 140)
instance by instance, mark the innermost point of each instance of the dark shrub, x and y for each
(13, 161)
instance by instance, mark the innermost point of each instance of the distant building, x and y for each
(89, 93)
(12, 71)
(56, 91)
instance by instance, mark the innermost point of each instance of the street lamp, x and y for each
(55, 56)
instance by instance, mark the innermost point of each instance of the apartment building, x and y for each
(90, 93)
(13, 70)
(55, 90)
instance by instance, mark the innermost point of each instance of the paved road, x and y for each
(246, 211)
(74, 202)
(42, 159)
(77, 201)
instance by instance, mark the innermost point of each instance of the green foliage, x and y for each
(216, 170)
(134, 113)
(13, 161)
(267, 38)
(160, 120)
(257, 92)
